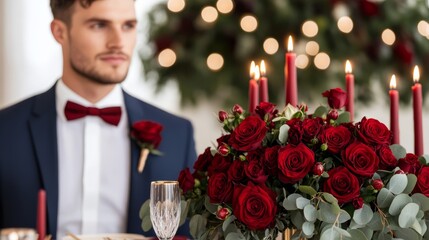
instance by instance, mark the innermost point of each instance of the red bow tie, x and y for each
(111, 115)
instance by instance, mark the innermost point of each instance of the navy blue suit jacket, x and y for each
(29, 159)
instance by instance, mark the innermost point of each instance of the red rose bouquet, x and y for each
(317, 173)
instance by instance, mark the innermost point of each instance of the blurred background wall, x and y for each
(30, 62)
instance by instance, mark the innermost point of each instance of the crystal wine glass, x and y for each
(165, 208)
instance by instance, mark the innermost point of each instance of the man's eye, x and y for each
(129, 26)
(98, 25)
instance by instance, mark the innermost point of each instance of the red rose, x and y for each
(377, 184)
(360, 159)
(236, 171)
(318, 169)
(219, 188)
(403, 50)
(369, 8)
(255, 206)
(224, 139)
(222, 213)
(387, 159)
(266, 110)
(342, 184)
(373, 132)
(186, 180)
(255, 172)
(223, 149)
(422, 185)
(219, 164)
(311, 128)
(358, 203)
(222, 115)
(147, 132)
(336, 97)
(203, 160)
(270, 160)
(294, 162)
(249, 134)
(337, 138)
(410, 163)
(237, 109)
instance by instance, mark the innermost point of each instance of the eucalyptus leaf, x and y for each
(307, 190)
(329, 197)
(289, 203)
(284, 133)
(184, 208)
(310, 213)
(235, 236)
(302, 202)
(145, 209)
(146, 223)
(212, 208)
(412, 180)
(408, 234)
(357, 234)
(308, 228)
(422, 200)
(354, 225)
(297, 218)
(375, 223)
(408, 215)
(424, 159)
(343, 118)
(197, 225)
(320, 111)
(398, 204)
(398, 183)
(384, 198)
(363, 215)
(227, 222)
(342, 232)
(398, 151)
(330, 234)
(417, 227)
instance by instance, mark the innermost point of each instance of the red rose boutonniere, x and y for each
(147, 134)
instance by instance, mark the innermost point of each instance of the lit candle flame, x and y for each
(348, 67)
(393, 82)
(252, 69)
(416, 74)
(263, 69)
(290, 44)
(257, 73)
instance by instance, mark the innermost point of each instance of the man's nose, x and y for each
(115, 40)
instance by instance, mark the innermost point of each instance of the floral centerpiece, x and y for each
(317, 173)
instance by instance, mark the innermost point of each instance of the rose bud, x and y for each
(324, 147)
(237, 109)
(318, 169)
(377, 184)
(222, 116)
(358, 203)
(399, 172)
(223, 150)
(222, 213)
(333, 114)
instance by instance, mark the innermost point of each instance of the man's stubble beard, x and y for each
(87, 69)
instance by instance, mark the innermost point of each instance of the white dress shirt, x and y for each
(94, 167)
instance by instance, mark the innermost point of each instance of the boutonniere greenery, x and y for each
(147, 135)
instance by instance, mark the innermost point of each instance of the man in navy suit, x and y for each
(87, 165)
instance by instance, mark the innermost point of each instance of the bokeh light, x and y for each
(271, 46)
(388, 36)
(249, 23)
(345, 24)
(322, 61)
(176, 5)
(310, 28)
(209, 14)
(215, 61)
(167, 57)
(224, 6)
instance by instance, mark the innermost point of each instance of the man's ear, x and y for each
(59, 30)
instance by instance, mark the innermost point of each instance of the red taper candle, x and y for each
(41, 214)
(253, 88)
(263, 84)
(291, 87)
(394, 110)
(350, 89)
(417, 113)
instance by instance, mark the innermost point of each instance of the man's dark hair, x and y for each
(61, 9)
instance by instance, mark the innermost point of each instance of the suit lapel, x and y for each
(44, 135)
(138, 181)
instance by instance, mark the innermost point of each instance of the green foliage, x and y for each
(194, 40)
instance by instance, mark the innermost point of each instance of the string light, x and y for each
(176, 5)
(271, 46)
(301, 61)
(249, 23)
(209, 14)
(167, 57)
(388, 36)
(345, 24)
(423, 27)
(322, 61)
(215, 61)
(224, 6)
(310, 28)
(312, 48)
